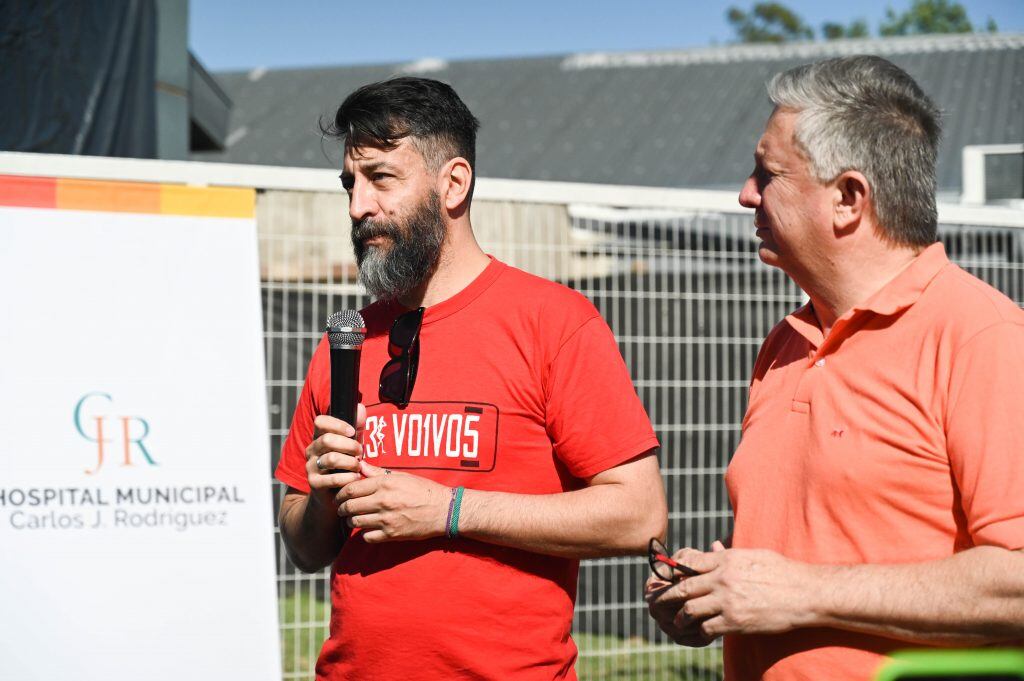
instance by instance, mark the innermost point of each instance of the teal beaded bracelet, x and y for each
(454, 506)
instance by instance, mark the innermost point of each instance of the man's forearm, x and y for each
(311, 531)
(587, 523)
(974, 597)
(599, 520)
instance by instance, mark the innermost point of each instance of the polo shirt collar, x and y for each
(897, 295)
(805, 323)
(904, 290)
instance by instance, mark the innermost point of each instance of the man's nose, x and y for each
(360, 202)
(750, 195)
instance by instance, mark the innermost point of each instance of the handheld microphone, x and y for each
(346, 331)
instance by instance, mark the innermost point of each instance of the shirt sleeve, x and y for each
(985, 434)
(291, 469)
(594, 417)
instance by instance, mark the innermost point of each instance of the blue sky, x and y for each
(275, 34)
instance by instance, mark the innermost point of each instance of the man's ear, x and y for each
(456, 180)
(852, 201)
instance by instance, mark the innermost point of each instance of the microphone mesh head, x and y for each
(346, 329)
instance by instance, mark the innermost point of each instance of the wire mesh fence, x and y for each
(688, 301)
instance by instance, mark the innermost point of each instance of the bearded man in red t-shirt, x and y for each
(501, 441)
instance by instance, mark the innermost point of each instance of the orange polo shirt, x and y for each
(897, 439)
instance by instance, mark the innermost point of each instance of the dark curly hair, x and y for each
(426, 111)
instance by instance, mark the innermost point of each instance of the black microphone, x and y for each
(346, 331)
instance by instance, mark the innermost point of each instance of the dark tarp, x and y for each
(78, 77)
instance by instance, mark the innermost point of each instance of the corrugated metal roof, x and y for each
(686, 118)
(208, 105)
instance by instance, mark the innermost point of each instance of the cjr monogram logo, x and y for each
(101, 426)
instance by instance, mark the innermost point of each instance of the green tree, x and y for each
(857, 29)
(929, 16)
(773, 22)
(768, 22)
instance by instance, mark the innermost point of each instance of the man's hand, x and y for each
(664, 611)
(738, 591)
(332, 457)
(975, 597)
(310, 528)
(671, 619)
(394, 506)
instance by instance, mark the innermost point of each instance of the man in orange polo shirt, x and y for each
(878, 489)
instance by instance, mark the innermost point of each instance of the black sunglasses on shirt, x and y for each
(399, 375)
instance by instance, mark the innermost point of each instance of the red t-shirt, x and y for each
(522, 389)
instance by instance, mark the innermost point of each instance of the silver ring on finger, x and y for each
(319, 463)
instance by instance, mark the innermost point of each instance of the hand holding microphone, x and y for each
(332, 458)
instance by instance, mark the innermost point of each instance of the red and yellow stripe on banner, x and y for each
(126, 197)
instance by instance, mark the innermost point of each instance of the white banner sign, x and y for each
(135, 512)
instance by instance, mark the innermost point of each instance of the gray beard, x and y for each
(392, 272)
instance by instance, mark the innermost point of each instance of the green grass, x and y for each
(300, 641)
(602, 658)
(610, 658)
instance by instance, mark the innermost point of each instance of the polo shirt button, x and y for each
(820, 362)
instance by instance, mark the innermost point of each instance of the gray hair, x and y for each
(864, 113)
